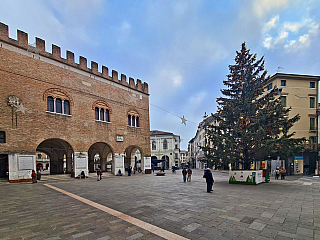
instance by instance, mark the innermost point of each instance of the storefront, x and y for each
(298, 165)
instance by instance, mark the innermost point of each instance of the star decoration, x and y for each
(184, 121)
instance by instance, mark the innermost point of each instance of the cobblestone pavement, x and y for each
(282, 209)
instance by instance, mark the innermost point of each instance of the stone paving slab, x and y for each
(277, 210)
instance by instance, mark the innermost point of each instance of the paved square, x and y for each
(149, 207)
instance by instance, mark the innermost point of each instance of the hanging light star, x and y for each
(184, 121)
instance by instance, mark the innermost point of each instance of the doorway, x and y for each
(4, 166)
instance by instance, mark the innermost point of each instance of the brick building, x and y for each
(74, 114)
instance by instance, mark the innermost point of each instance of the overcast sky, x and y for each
(181, 48)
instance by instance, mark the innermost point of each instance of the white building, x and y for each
(183, 158)
(197, 158)
(165, 149)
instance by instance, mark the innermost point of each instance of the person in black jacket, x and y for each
(209, 179)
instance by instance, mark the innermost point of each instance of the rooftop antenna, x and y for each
(278, 70)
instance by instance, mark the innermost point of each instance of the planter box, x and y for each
(245, 177)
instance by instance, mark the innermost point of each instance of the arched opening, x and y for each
(165, 162)
(55, 156)
(100, 156)
(133, 156)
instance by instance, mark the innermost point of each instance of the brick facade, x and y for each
(31, 74)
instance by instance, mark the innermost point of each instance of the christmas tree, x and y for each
(251, 124)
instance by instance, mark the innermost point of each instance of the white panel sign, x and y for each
(147, 162)
(119, 138)
(25, 162)
(81, 162)
(119, 161)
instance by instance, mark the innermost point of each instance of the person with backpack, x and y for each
(277, 172)
(189, 174)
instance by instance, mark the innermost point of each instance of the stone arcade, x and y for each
(78, 116)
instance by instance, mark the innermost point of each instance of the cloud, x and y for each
(262, 7)
(267, 42)
(304, 41)
(271, 23)
(291, 36)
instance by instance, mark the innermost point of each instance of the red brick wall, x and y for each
(28, 78)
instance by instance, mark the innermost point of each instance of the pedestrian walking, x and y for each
(209, 179)
(189, 174)
(277, 172)
(184, 174)
(99, 174)
(283, 173)
(129, 170)
(34, 176)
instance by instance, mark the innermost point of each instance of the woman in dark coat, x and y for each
(209, 179)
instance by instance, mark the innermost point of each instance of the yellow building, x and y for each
(300, 92)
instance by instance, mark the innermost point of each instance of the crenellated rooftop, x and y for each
(22, 42)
